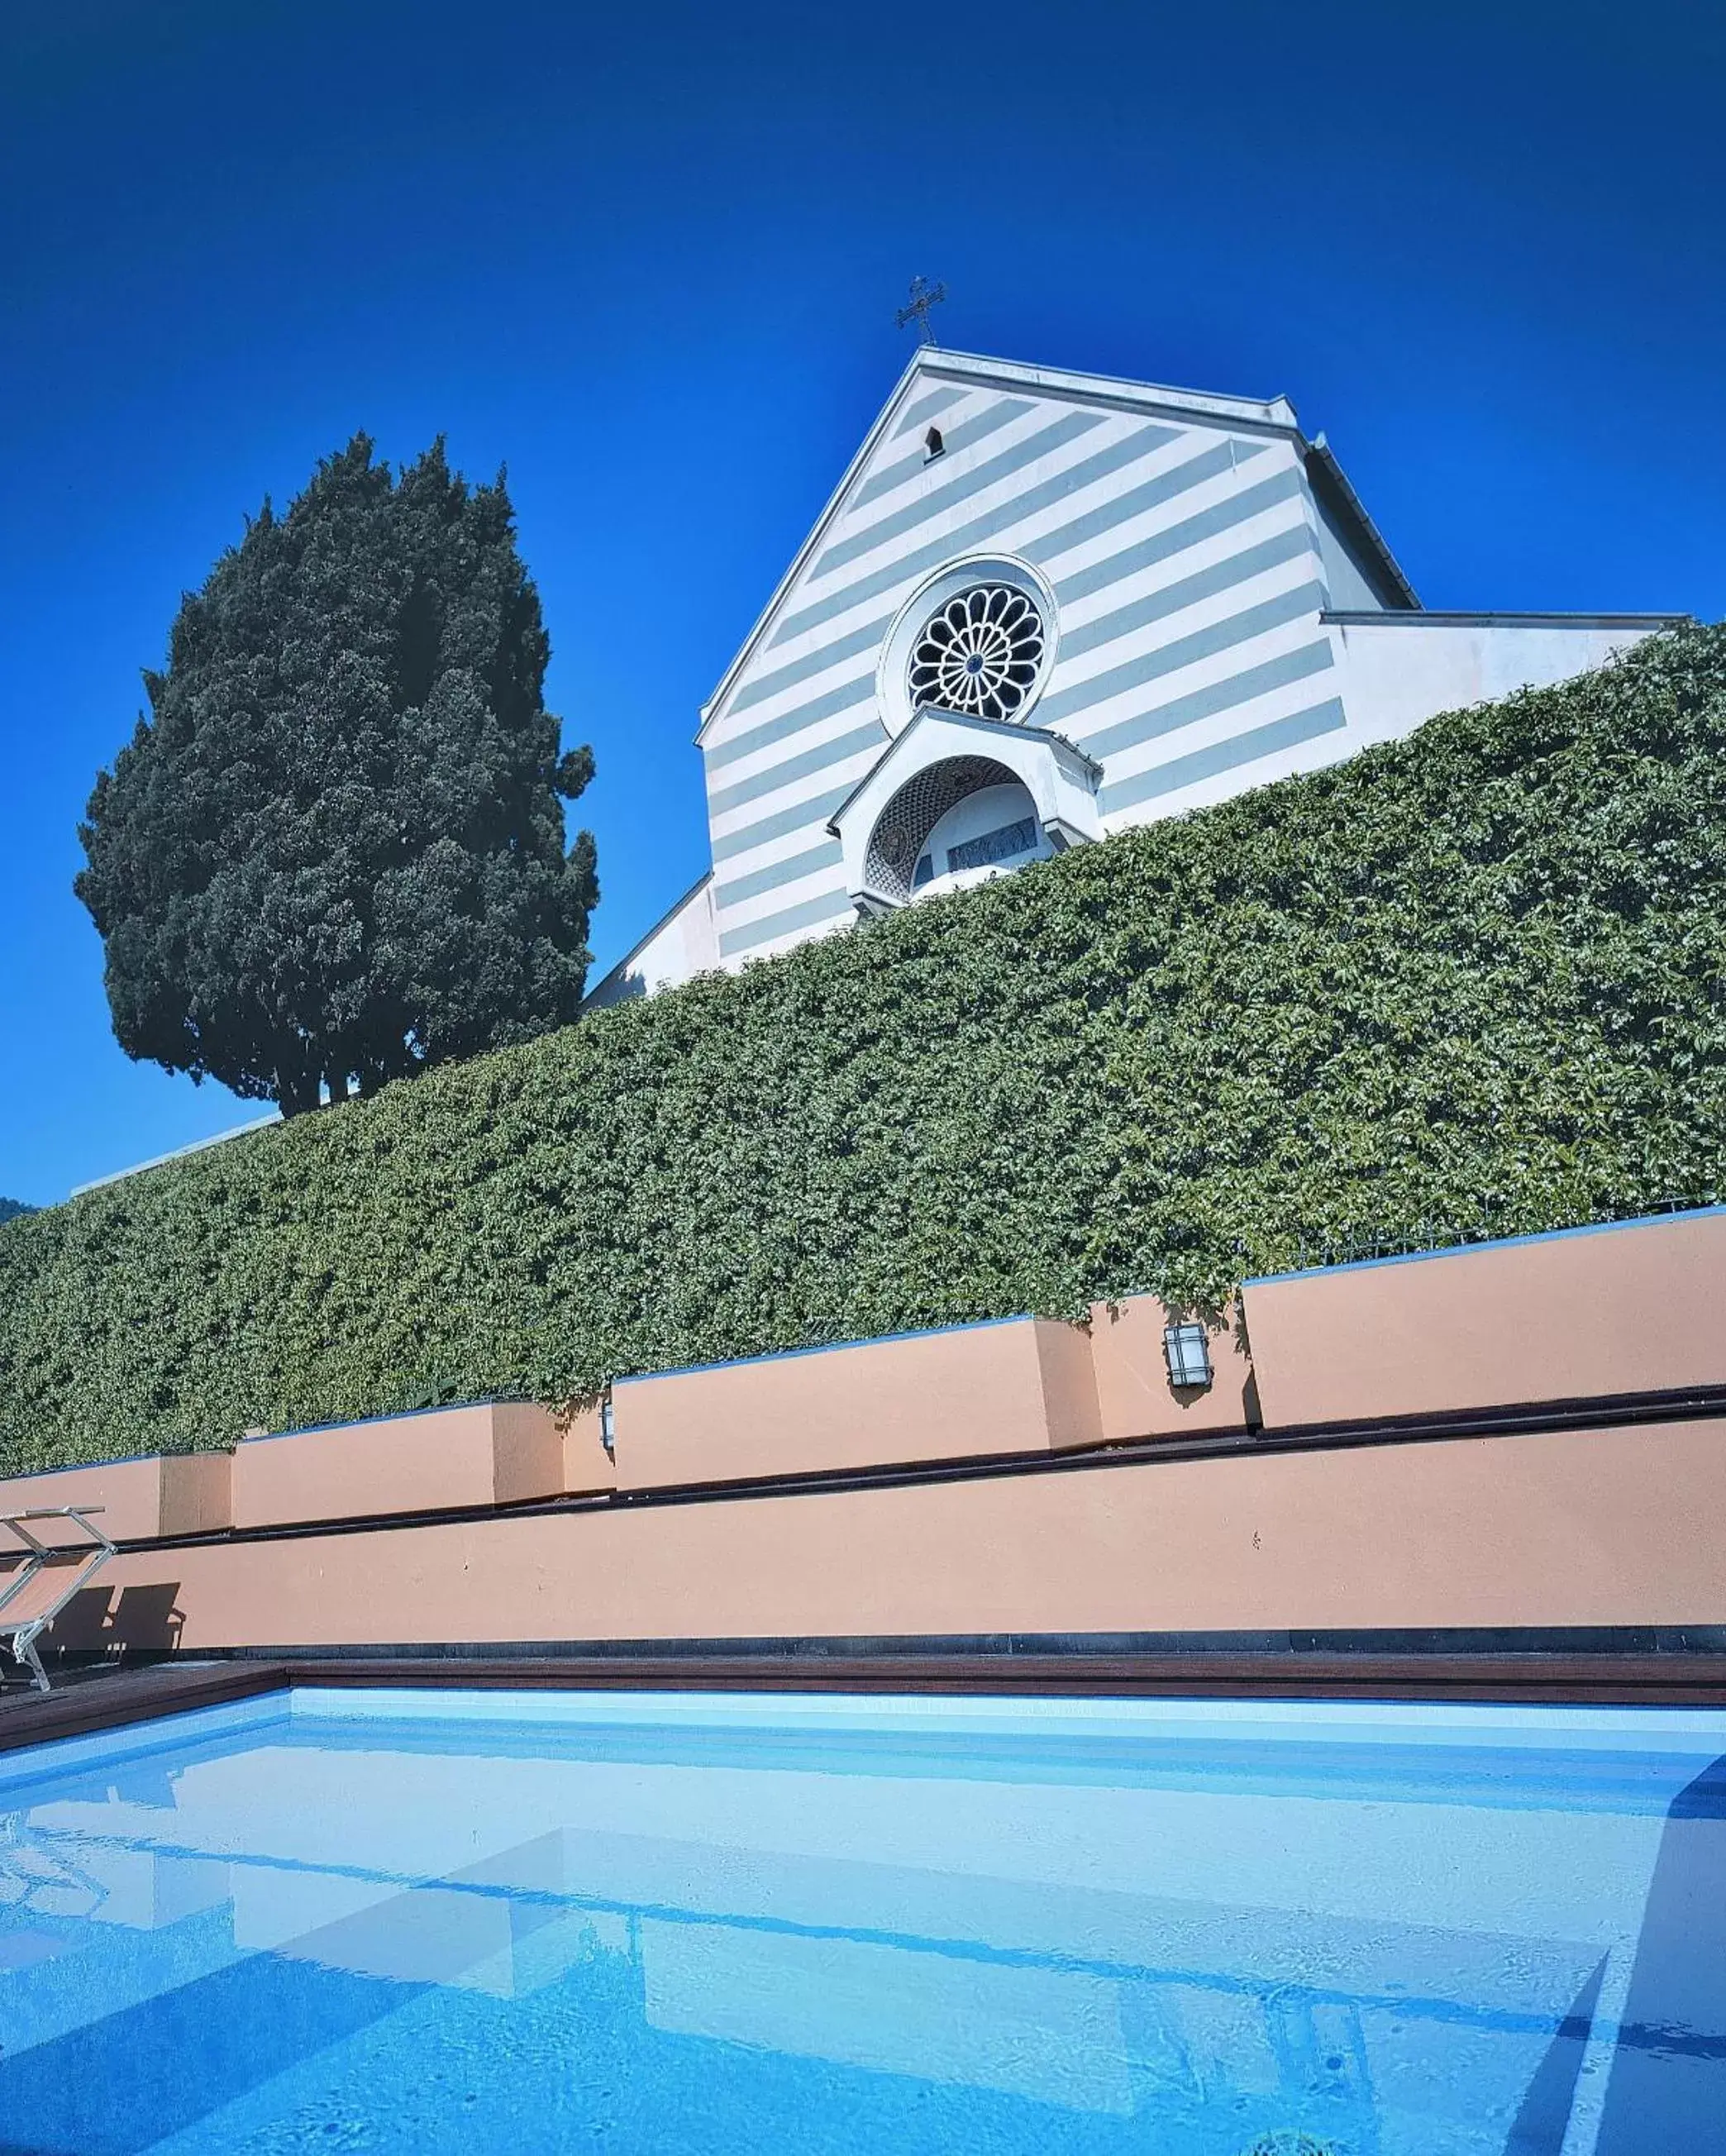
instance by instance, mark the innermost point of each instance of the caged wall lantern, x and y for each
(1187, 1353)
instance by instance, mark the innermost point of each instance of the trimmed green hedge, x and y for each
(1474, 978)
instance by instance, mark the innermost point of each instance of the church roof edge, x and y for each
(1326, 475)
(1274, 415)
(911, 373)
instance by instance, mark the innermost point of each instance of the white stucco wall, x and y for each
(684, 943)
(1399, 669)
(973, 817)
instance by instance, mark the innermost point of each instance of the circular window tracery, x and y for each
(979, 653)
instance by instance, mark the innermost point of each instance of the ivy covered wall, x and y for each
(1475, 980)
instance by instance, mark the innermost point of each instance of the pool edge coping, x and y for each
(124, 1698)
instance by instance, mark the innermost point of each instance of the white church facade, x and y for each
(1041, 608)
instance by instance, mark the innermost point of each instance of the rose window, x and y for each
(978, 654)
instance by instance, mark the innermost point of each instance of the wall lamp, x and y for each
(1187, 1353)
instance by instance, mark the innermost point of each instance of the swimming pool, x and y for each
(438, 1921)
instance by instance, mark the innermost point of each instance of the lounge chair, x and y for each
(37, 1578)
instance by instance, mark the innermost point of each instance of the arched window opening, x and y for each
(915, 842)
(932, 444)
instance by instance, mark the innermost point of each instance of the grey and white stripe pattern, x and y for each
(1185, 563)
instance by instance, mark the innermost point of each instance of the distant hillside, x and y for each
(11, 1208)
(1472, 982)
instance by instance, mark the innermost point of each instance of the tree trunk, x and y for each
(295, 1092)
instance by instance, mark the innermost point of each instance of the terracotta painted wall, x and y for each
(1134, 1397)
(1638, 1307)
(444, 1460)
(135, 1500)
(588, 1467)
(1618, 1527)
(1609, 1526)
(1021, 1386)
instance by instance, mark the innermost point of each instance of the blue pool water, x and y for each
(423, 1922)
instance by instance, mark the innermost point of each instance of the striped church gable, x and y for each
(1182, 547)
(1196, 604)
(799, 727)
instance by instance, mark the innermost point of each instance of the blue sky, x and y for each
(651, 258)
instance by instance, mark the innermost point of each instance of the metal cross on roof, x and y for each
(923, 296)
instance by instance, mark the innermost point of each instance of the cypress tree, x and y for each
(334, 850)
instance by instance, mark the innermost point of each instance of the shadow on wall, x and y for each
(626, 986)
(140, 1619)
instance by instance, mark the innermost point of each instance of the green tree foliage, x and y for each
(11, 1208)
(1475, 980)
(334, 852)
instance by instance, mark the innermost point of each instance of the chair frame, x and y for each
(22, 1636)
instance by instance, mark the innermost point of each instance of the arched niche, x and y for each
(952, 800)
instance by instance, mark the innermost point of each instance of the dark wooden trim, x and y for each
(110, 1699)
(1643, 1680)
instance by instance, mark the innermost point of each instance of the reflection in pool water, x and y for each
(431, 1922)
